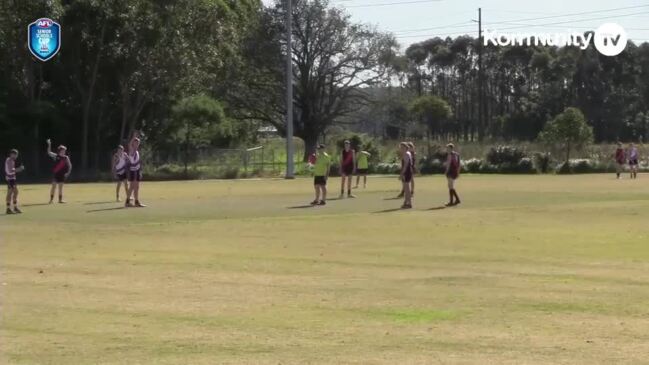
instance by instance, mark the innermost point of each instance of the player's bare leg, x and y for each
(61, 201)
(407, 202)
(9, 196)
(349, 187)
(15, 200)
(323, 201)
(52, 191)
(317, 195)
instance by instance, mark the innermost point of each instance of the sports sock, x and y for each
(450, 194)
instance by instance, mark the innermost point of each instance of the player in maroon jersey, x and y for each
(347, 169)
(620, 158)
(406, 174)
(61, 170)
(11, 168)
(452, 173)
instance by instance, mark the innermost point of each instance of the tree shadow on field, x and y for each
(99, 203)
(104, 210)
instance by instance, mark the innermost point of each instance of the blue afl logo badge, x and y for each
(44, 38)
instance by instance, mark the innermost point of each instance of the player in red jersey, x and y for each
(406, 174)
(11, 169)
(61, 170)
(620, 158)
(347, 169)
(452, 173)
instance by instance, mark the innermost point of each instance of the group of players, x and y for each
(126, 166)
(355, 162)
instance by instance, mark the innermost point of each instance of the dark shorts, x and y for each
(135, 175)
(59, 177)
(121, 177)
(633, 162)
(320, 180)
(348, 170)
(11, 183)
(361, 172)
(407, 177)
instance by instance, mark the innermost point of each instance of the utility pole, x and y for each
(289, 92)
(480, 79)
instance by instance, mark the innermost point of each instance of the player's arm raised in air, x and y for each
(49, 149)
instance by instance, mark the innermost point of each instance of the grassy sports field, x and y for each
(529, 270)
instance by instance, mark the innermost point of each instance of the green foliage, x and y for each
(568, 130)
(500, 155)
(431, 109)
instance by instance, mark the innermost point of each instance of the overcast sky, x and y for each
(416, 20)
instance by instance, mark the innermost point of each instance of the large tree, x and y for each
(334, 60)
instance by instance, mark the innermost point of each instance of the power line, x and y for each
(393, 3)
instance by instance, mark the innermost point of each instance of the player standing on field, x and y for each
(452, 174)
(120, 165)
(620, 157)
(134, 173)
(12, 187)
(406, 174)
(321, 169)
(61, 170)
(362, 166)
(633, 160)
(347, 169)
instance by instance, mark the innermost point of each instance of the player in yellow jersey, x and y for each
(320, 175)
(362, 165)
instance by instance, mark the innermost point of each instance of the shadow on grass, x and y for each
(394, 198)
(438, 208)
(99, 203)
(389, 210)
(302, 206)
(104, 210)
(35, 205)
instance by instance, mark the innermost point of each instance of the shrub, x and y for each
(388, 168)
(500, 155)
(472, 165)
(543, 162)
(431, 166)
(486, 168)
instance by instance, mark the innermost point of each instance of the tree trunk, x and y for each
(187, 137)
(310, 143)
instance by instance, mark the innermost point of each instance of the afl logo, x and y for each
(44, 38)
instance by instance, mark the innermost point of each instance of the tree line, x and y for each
(195, 74)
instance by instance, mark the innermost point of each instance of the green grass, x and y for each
(529, 270)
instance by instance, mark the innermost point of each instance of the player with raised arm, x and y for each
(119, 167)
(134, 173)
(406, 174)
(61, 170)
(11, 169)
(347, 169)
(452, 173)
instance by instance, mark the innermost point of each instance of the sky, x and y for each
(416, 20)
